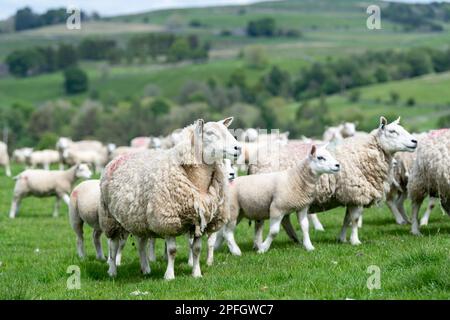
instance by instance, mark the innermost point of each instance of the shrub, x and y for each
(75, 81)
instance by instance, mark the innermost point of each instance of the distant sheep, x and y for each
(20, 156)
(44, 183)
(4, 158)
(43, 158)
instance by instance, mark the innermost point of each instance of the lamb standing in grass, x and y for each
(430, 175)
(274, 195)
(167, 193)
(4, 158)
(364, 178)
(44, 183)
(83, 208)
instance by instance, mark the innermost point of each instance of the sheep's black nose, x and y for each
(414, 141)
(338, 165)
(237, 148)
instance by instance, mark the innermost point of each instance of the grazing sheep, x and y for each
(4, 158)
(277, 194)
(93, 157)
(363, 180)
(430, 175)
(345, 130)
(167, 193)
(44, 183)
(20, 156)
(64, 144)
(83, 208)
(124, 150)
(43, 158)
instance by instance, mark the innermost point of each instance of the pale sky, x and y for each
(116, 7)
(109, 7)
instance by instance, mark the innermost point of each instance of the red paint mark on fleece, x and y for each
(117, 163)
(140, 142)
(437, 133)
(75, 194)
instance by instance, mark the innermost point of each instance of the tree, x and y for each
(75, 80)
(265, 27)
(179, 50)
(26, 19)
(66, 56)
(255, 56)
(277, 82)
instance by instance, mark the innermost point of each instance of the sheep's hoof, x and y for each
(101, 258)
(309, 247)
(355, 242)
(209, 262)
(319, 228)
(342, 240)
(262, 250)
(146, 271)
(169, 276)
(423, 223)
(197, 274)
(416, 233)
(112, 273)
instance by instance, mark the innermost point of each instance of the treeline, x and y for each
(25, 18)
(267, 27)
(422, 17)
(38, 60)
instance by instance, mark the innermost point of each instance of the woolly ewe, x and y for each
(44, 183)
(430, 175)
(167, 193)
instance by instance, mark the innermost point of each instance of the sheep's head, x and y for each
(217, 142)
(394, 138)
(83, 172)
(348, 129)
(63, 143)
(321, 161)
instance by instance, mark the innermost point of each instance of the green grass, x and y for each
(411, 267)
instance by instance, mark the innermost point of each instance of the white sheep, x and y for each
(21, 155)
(43, 158)
(64, 144)
(93, 157)
(4, 158)
(430, 175)
(44, 183)
(83, 208)
(335, 134)
(124, 150)
(275, 195)
(167, 193)
(364, 178)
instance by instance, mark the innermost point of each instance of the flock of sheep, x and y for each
(187, 184)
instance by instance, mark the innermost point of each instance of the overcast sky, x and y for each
(115, 7)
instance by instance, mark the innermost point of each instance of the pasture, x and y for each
(36, 250)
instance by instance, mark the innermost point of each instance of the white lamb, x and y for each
(274, 195)
(4, 158)
(83, 208)
(44, 183)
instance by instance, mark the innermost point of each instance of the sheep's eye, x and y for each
(320, 158)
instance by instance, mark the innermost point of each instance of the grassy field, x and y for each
(36, 250)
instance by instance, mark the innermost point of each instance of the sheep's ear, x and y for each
(199, 127)
(397, 121)
(383, 122)
(313, 151)
(226, 122)
(286, 134)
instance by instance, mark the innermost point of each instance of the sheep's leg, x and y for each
(228, 233)
(196, 250)
(359, 222)
(122, 243)
(61, 166)
(259, 227)
(316, 222)
(15, 206)
(143, 254)
(304, 224)
(151, 250)
(210, 254)
(56, 208)
(191, 256)
(77, 226)
(171, 253)
(8, 170)
(65, 198)
(275, 222)
(96, 235)
(355, 214)
(426, 215)
(46, 166)
(401, 208)
(394, 209)
(346, 223)
(113, 248)
(415, 217)
(287, 225)
(219, 239)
